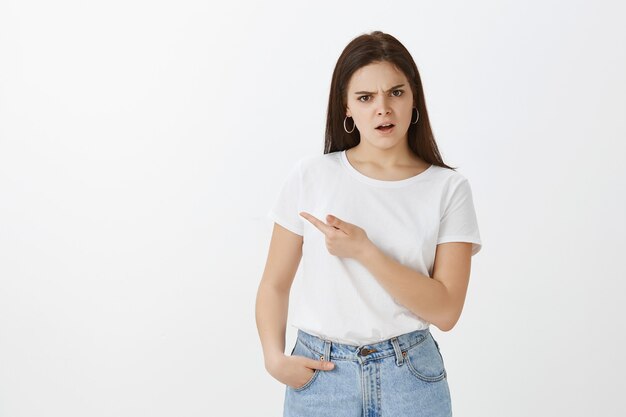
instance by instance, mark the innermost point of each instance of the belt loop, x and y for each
(327, 350)
(396, 348)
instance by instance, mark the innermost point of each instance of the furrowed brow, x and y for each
(369, 92)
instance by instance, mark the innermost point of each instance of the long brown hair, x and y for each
(364, 50)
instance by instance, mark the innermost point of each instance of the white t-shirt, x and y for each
(338, 299)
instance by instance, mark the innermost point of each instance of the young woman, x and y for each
(385, 231)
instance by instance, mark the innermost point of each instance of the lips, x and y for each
(384, 126)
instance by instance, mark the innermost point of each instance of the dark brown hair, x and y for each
(364, 50)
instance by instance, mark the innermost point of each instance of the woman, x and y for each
(386, 232)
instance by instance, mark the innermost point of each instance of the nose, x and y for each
(383, 106)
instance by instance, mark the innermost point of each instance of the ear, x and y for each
(348, 113)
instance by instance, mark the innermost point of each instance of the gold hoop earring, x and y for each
(344, 125)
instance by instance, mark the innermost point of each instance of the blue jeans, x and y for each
(403, 376)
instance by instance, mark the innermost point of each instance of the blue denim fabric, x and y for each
(403, 376)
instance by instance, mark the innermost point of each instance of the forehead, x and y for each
(376, 75)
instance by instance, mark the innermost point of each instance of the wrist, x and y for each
(368, 250)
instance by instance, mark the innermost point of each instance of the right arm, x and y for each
(272, 300)
(272, 305)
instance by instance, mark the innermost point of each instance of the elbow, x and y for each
(445, 327)
(448, 323)
(450, 314)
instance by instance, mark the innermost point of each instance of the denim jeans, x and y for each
(403, 376)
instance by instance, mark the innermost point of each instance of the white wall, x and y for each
(142, 143)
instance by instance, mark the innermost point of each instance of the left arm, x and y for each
(438, 300)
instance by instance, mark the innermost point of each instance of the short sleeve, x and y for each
(285, 210)
(458, 222)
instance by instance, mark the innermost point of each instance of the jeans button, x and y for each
(365, 351)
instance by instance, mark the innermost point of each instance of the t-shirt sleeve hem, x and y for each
(297, 229)
(476, 243)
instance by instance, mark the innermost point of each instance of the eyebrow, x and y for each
(369, 92)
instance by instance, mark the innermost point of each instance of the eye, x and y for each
(361, 98)
(399, 91)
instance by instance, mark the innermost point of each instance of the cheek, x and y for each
(359, 119)
(407, 113)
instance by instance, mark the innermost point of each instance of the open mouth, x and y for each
(385, 127)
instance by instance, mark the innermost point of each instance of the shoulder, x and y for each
(448, 177)
(311, 167)
(318, 163)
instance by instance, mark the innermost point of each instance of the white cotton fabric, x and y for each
(338, 299)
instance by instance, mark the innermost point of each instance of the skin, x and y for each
(382, 156)
(438, 300)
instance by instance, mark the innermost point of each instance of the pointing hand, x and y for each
(343, 239)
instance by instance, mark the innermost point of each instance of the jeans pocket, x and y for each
(300, 349)
(439, 351)
(424, 360)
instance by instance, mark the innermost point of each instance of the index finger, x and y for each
(323, 227)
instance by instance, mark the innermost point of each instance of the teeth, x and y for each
(385, 125)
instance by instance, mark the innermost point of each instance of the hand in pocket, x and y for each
(296, 370)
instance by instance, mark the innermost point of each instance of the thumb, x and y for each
(322, 365)
(335, 221)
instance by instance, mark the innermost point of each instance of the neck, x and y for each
(390, 157)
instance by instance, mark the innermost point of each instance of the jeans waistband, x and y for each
(392, 346)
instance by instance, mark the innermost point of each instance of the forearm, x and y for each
(422, 295)
(272, 306)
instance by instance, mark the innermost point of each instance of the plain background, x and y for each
(142, 144)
